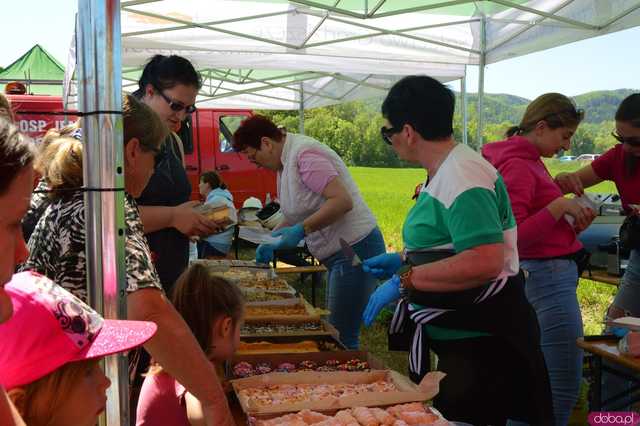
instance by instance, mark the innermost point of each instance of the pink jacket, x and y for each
(531, 188)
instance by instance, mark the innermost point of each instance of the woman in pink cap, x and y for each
(16, 182)
(51, 349)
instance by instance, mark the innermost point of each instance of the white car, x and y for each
(587, 157)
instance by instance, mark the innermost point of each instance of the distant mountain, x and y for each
(599, 106)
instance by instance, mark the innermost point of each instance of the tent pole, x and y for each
(463, 90)
(301, 111)
(100, 89)
(483, 58)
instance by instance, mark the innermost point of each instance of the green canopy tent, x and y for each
(38, 70)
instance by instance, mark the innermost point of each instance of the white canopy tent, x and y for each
(266, 53)
(284, 55)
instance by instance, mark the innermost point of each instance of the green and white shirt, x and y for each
(465, 205)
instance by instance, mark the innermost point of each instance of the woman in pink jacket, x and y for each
(547, 244)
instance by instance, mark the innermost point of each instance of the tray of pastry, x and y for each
(241, 366)
(412, 413)
(287, 327)
(302, 311)
(288, 344)
(291, 392)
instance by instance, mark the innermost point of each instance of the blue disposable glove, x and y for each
(382, 265)
(291, 236)
(264, 253)
(385, 294)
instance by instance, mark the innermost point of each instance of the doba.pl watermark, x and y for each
(614, 418)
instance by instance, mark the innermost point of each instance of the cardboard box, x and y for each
(407, 391)
(318, 357)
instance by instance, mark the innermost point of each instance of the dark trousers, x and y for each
(484, 384)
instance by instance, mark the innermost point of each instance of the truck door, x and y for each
(243, 178)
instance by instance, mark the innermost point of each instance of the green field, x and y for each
(388, 193)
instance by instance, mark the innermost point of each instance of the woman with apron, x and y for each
(460, 289)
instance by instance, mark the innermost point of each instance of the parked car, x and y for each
(566, 158)
(587, 157)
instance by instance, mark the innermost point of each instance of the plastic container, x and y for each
(584, 201)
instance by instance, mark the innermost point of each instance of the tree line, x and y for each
(353, 129)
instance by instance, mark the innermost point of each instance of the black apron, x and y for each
(498, 308)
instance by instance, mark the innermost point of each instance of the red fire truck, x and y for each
(206, 137)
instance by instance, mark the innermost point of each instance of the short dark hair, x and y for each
(422, 102)
(629, 110)
(16, 152)
(165, 72)
(201, 296)
(253, 129)
(213, 179)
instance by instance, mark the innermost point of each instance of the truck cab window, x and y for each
(228, 124)
(186, 135)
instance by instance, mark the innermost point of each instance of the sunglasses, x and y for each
(387, 132)
(176, 106)
(635, 141)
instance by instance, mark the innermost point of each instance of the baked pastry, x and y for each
(268, 347)
(399, 415)
(268, 395)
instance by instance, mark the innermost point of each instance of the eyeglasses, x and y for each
(176, 106)
(635, 141)
(387, 132)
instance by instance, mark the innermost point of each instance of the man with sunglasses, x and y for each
(619, 164)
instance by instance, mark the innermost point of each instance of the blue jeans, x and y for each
(628, 299)
(349, 288)
(551, 290)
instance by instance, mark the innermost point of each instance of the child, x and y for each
(51, 349)
(215, 192)
(213, 308)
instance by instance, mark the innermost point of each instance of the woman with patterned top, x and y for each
(58, 251)
(458, 279)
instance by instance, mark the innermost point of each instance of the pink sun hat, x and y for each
(51, 327)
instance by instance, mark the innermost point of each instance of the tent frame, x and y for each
(337, 14)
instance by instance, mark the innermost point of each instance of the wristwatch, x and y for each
(405, 273)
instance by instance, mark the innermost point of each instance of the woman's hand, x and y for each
(291, 236)
(570, 182)
(383, 265)
(385, 294)
(583, 216)
(264, 253)
(188, 221)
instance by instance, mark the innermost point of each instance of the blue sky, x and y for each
(607, 62)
